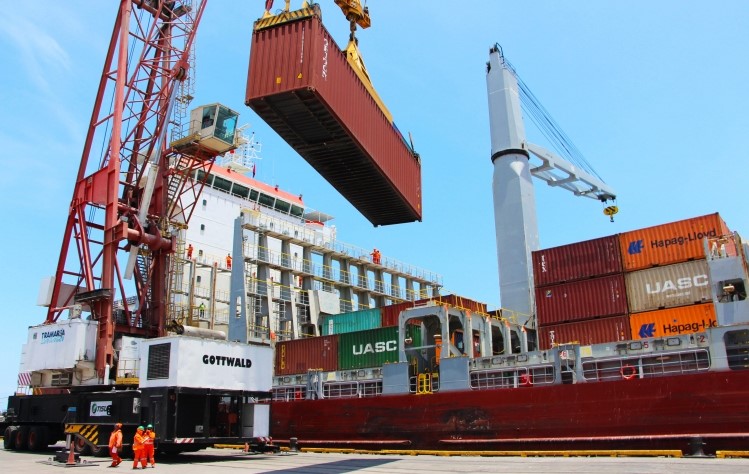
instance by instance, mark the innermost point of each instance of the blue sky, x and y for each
(653, 93)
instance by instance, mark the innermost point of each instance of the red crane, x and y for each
(131, 194)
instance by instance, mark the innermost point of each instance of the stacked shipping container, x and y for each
(656, 278)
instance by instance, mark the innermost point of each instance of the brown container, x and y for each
(580, 300)
(674, 285)
(673, 321)
(300, 83)
(594, 331)
(669, 243)
(299, 355)
(578, 261)
(391, 313)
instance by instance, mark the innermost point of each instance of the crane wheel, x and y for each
(22, 438)
(9, 438)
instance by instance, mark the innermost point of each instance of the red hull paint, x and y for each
(655, 413)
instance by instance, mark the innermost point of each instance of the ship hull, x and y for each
(653, 413)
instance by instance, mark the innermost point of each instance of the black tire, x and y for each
(9, 438)
(38, 438)
(81, 447)
(22, 438)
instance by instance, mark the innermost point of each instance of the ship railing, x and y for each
(289, 393)
(647, 366)
(724, 246)
(512, 378)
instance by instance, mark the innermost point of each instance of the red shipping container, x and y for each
(577, 261)
(300, 83)
(299, 355)
(594, 331)
(580, 300)
(669, 243)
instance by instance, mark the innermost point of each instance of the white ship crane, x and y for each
(515, 161)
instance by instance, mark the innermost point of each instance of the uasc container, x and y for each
(372, 348)
(668, 286)
(578, 261)
(669, 243)
(350, 322)
(581, 300)
(300, 355)
(594, 331)
(301, 84)
(673, 321)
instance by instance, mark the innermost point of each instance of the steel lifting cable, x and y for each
(549, 128)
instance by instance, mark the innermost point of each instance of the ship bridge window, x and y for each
(282, 206)
(297, 211)
(221, 183)
(239, 190)
(737, 349)
(254, 195)
(266, 200)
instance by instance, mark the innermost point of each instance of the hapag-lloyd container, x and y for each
(577, 261)
(300, 83)
(673, 321)
(594, 331)
(669, 243)
(299, 355)
(669, 286)
(580, 300)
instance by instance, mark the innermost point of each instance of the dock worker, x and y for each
(138, 446)
(148, 445)
(228, 261)
(189, 251)
(115, 445)
(201, 310)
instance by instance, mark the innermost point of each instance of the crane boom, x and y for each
(113, 212)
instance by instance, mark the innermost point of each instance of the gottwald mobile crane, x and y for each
(114, 359)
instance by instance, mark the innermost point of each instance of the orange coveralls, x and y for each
(148, 447)
(115, 446)
(138, 441)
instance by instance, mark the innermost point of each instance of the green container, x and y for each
(372, 348)
(351, 322)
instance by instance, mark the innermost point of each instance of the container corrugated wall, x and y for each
(391, 313)
(299, 355)
(300, 83)
(373, 348)
(673, 321)
(577, 261)
(669, 243)
(594, 331)
(351, 322)
(580, 300)
(669, 286)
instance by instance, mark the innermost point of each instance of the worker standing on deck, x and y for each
(201, 310)
(115, 445)
(189, 251)
(138, 443)
(148, 445)
(228, 261)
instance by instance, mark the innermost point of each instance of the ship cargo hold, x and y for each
(581, 300)
(302, 86)
(577, 261)
(669, 243)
